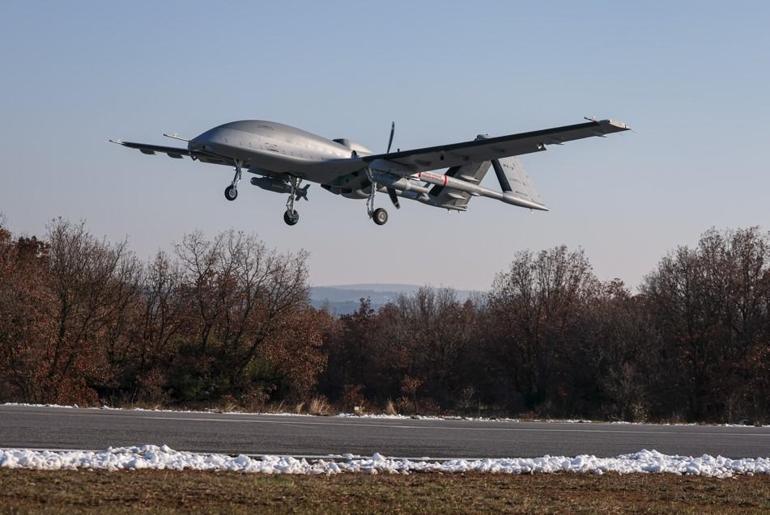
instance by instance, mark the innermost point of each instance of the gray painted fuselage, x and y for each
(271, 148)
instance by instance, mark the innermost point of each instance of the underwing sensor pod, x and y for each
(283, 157)
(270, 184)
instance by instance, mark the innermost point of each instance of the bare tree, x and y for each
(709, 306)
(537, 304)
(93, 283)
(245, 297)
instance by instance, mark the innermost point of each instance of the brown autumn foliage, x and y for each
(84, 321)
(227, 321)
(550, 339)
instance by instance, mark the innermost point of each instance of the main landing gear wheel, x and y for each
(291, 217)
(380, 216)
(231, 193)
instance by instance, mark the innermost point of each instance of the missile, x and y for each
(480, 191)
(398, 183)
(408, 184)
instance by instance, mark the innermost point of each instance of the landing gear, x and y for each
(291, 216)
(231, 192)
(380, 216)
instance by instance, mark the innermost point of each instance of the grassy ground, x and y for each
(60, 492)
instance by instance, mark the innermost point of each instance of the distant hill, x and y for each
(345, 299)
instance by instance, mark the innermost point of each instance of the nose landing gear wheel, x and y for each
(380, 216)
(231, 193)
(291, 217)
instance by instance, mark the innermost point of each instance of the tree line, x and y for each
(226, 321)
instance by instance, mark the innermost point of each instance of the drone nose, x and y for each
(201, 142)
(195, 145)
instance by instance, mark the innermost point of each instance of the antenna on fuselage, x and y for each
(176, 136)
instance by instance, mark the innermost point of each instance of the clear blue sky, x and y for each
(691, 78)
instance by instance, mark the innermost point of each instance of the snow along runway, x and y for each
(164, 458)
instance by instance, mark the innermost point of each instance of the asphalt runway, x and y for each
(72, 428)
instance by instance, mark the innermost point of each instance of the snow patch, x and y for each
(164, 458)
(384, 416)
(157, 410)
(381, 416)
(470, 419)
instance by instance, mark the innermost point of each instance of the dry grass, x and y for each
(318, 406)
(78, 491)
(390, 408)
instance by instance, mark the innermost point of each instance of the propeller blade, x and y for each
(394, 198)
(392, 130)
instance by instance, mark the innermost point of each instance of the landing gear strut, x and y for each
(291, 216)
(231, 192)
(379, 215)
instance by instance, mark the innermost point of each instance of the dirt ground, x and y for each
(166, 491)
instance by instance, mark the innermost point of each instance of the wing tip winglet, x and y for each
(609, 121)
(620, 125)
